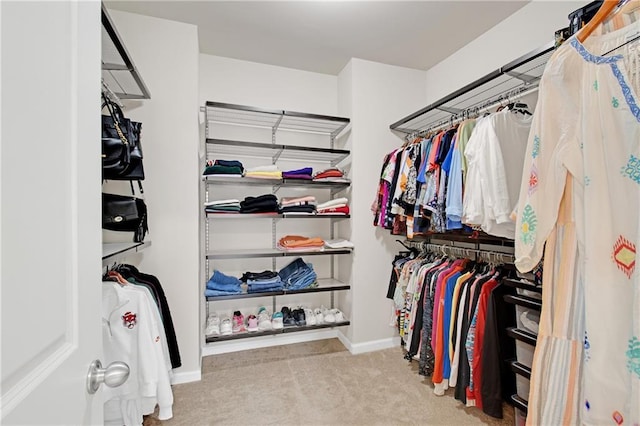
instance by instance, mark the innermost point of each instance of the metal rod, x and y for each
(111, 95)
(494, 103)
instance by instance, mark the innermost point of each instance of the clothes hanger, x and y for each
(605, 10)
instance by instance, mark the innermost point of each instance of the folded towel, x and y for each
(293, 241)
(338, 243)
(269, 168)
(218, 202)
(222, 170)
(332, 203)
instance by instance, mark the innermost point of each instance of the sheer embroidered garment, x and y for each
(585, 144)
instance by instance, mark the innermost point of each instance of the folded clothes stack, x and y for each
(267, 203)
(333, 174)
(263, 172)
(302, 205)
(222, 285)
(224, 167)
(222, 206)
(338, 243)
(304, 173)
(336, 206)
(298, 275)
(258, 282)
(300, 243)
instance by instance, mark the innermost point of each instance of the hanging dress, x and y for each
(584, 149)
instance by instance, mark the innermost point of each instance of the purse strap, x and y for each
(113, 108)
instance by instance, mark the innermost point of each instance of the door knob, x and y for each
(114, 375)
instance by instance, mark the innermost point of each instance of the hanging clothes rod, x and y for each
(488, 255)
(466, 114)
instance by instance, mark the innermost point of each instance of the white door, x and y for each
(50, 211)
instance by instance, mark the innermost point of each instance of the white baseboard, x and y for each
(374, 345)
(186, 377)
(267, 341)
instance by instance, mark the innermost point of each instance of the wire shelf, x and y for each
(218, 112)
(269, 150)
(517, 76)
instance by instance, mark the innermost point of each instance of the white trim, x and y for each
(267, 341)
(186, 377)
(374, 345)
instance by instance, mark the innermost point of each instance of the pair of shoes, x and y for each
(319, 316)
(299, 317)
(287, 317)
(332, 315)
(238, 322)
(277, 322)
(252, 323)
(213, 325)
(225, 326)
(310, 317)
(264, 319)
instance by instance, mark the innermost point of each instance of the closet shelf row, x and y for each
(220, 338)
(525, 301)
(224, 180)
(324, 285)
(522, 284)
(276, 151)
(519, 403)
(517, 76)
(254, 253)
(218, 216)
(520, 369)
(522, 335)
(223, 113)
(480, 238)
(112, 250)
(118, 71)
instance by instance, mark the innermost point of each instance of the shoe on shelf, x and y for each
(287, 317)
(319, 316)
(277, 321)
(310, 316)
(299, 317)
(338, 315)
(329, 317)
(238, 322)
(225, 326)
(252, 323)
(213, 325)
(264, 319)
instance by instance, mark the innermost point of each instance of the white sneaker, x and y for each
(310, 316)
(329, 317)
(338, 315)
(277, 322)
(225, 326)
(213, 325)
(319, 316)
(530, 322)
(264, 319)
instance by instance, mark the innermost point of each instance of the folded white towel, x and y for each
(217, 202)
(333, 203)
(338, 243)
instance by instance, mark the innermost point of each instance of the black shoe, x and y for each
(299, 317)
(287, 317)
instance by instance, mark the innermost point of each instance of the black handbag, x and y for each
(126, 214)
(121, 145)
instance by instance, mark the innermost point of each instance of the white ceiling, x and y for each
(322, 36)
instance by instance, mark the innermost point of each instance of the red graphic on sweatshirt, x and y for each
(129, 319)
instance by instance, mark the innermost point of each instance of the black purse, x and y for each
(125, 213)
(121, 145)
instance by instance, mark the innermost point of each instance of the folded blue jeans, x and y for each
(212, 293)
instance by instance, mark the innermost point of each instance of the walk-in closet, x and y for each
(320, 212)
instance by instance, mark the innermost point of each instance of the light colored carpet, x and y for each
(317, 383)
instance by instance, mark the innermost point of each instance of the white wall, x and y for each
(528, 29)
(166, 54)
(375, 95)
